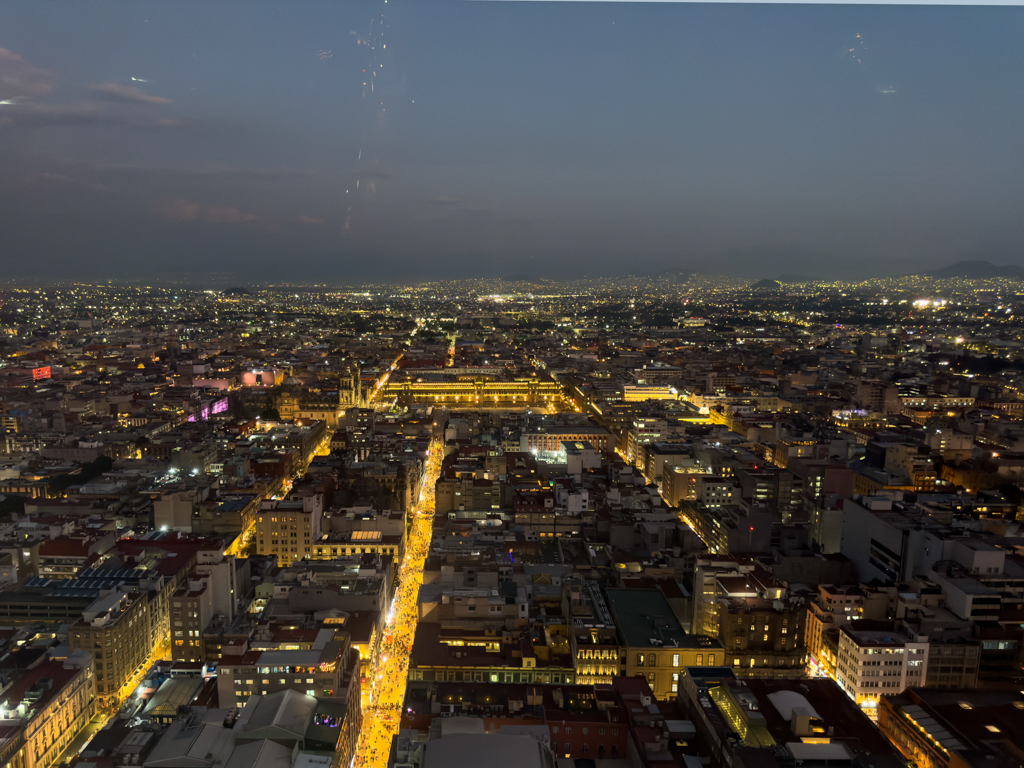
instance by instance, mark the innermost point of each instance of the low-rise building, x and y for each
(955, 729)
(653, 642)
(45, 708)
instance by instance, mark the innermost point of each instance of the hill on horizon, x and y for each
(976, 270)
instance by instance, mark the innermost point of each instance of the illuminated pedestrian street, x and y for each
(391, 670)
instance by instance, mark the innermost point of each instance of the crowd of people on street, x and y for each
(391, 668)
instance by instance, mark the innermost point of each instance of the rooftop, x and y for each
(645, 620)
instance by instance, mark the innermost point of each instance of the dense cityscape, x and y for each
(675, 520)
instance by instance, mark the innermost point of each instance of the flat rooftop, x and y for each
(645, 620)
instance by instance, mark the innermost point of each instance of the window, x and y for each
(639, 659)
(675, 659)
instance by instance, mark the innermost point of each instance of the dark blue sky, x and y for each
(527, 138)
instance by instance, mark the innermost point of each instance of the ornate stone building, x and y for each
(296, 401)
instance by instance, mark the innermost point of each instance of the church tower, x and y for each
(349, 387)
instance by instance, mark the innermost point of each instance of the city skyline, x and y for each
(496, 139)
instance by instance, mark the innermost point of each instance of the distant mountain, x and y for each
(766, 285)
(977, 270)
(674, 275)
(236, 291)
(531, 279)
(790, 278)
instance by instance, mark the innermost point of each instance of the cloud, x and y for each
(51, 180)
(228, 214)
(20, 78)
(127, 94)
(51, 114)
(202, 173)
(206, 172)
(443, 200)
(76, 113)
(187, 210)
(21, 83)
(178, 210)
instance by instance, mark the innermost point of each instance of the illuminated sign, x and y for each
(210, 409)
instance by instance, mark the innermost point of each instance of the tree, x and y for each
(12, 503)
(270, 413)
(239, 410)
(59, 484)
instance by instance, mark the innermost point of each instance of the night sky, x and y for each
(143, 140)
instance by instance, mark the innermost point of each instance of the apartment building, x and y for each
(715, 491)
(191, 612)
(764, 638)
(45, 708)
(328, 668)
(593, 640)
(452, 494)
(877, 659)
(288, 529)
(654, 644)
(679, 483)
(834, 607)
(117, 630)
